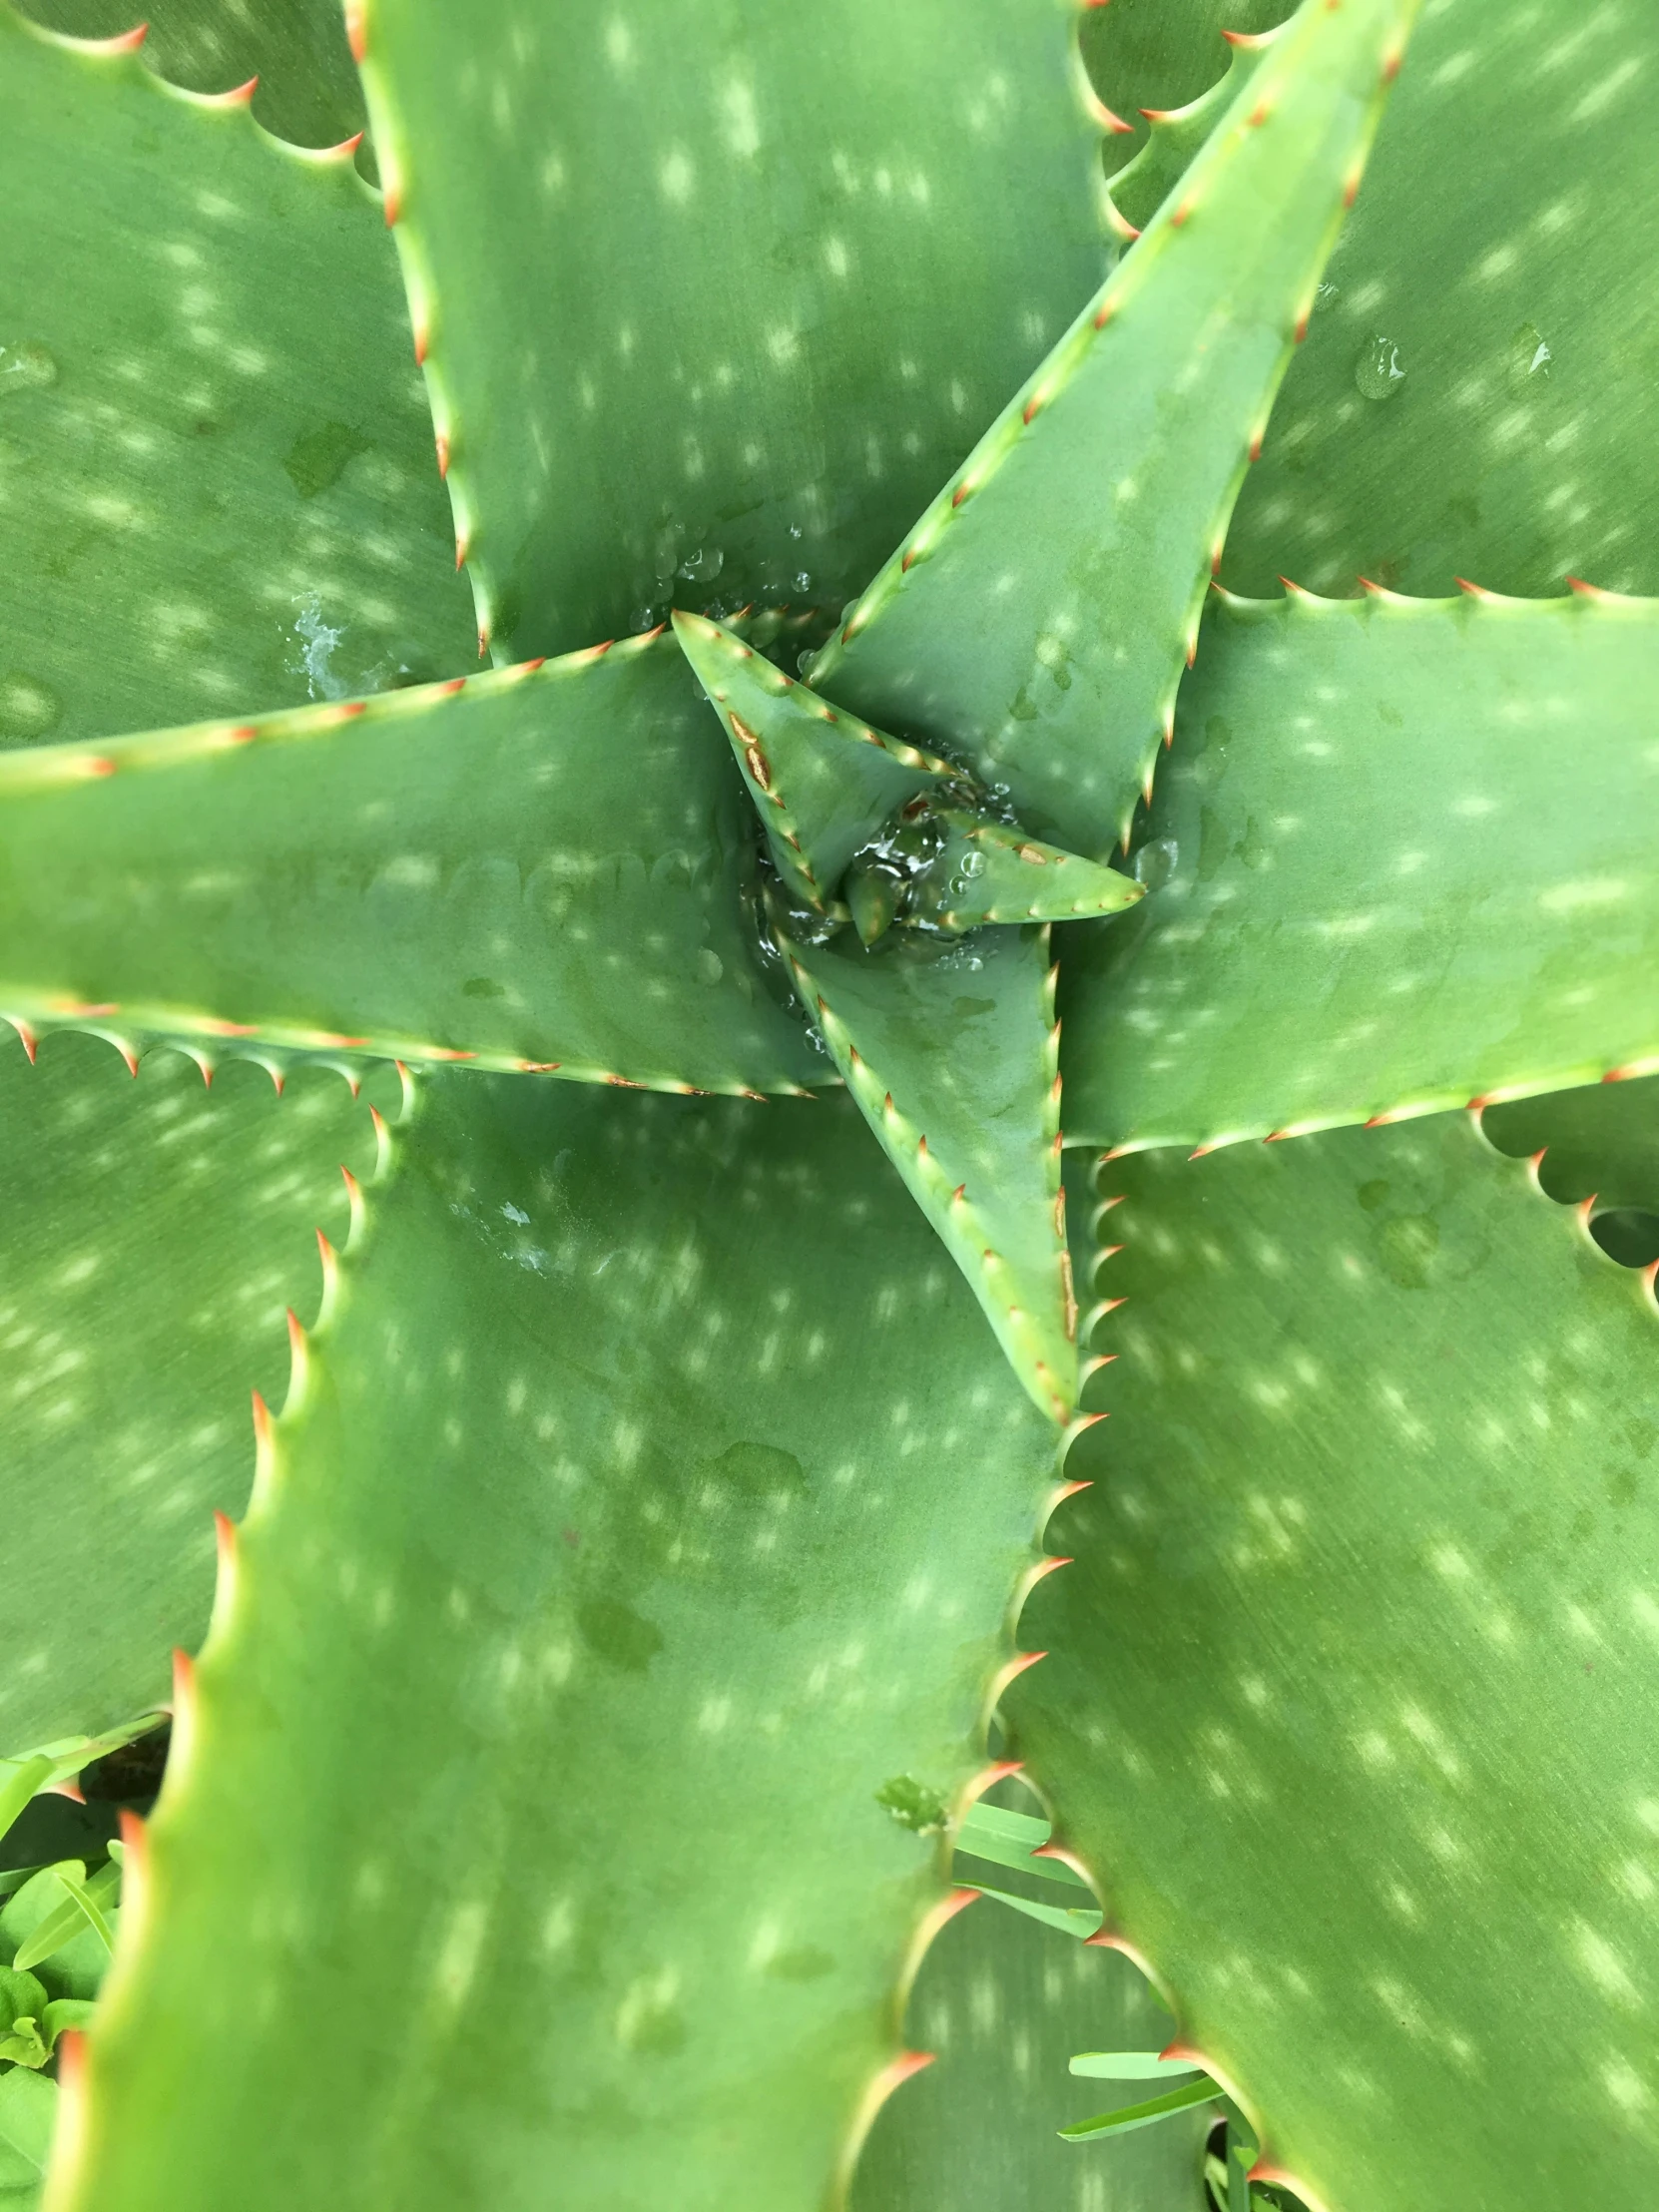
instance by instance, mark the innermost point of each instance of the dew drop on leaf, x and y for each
(1154, 864)
(1379, 372)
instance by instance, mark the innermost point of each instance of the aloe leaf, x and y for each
(1036, 619)
(1001, 2004)
(1476, 396)
(28, 2114)
(112, 1458)
(1350, 1690)
(1124, 2117)
(462, 872)
(1379, 888)
(1600, 1142)
(951, 1055)
(608, 1554)
(1166, 55)
(236, 515)
(1176, 135)
(912, 205)
(986, 871)
(822, 782)
(306, 89)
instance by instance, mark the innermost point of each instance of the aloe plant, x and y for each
(808, 1012)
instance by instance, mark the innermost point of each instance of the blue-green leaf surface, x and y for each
(547, 868)
(822, 782)
(713, 309)
(951, 1054)
(156, 1230)
(1476, 396)
(1036, 619)
(218, 489)
(1380, 885)
(1348, 1695)
(581, 1830)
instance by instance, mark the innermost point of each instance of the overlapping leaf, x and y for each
(1600, 1142)
(1475, 394)
(951, 1054)
(215, 465)
(576, 1646)
(1038, 617)
(822, 782)
(1349, 1692)
(1002, 2006)
(1141, 58)
(155, 1232)
(546, 867)
(907, 205)
(1357, 911)
(307, 90)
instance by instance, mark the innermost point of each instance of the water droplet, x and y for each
(794, 529)
(703, 566)
(709, 966)
(317, 642)
(973, 864)
(1154, 864)
(1379, 372)
(804, 661)
(804, 580)
(1529, 359)
(29, 709)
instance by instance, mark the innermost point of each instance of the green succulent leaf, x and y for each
(951, 1054)
(1177, 136)
(463, 873)
(1035, 621)
(986, 871)
(1148, 55)
(1476, 396)
(608, 1567)
(1602, 1142)
(207, 510)
(1001, 2004)
(155, 1232)
(911, 204)
(1350, 1688)
(822, 782)
(1355, 915)
(28, 2114)
(308, 89)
